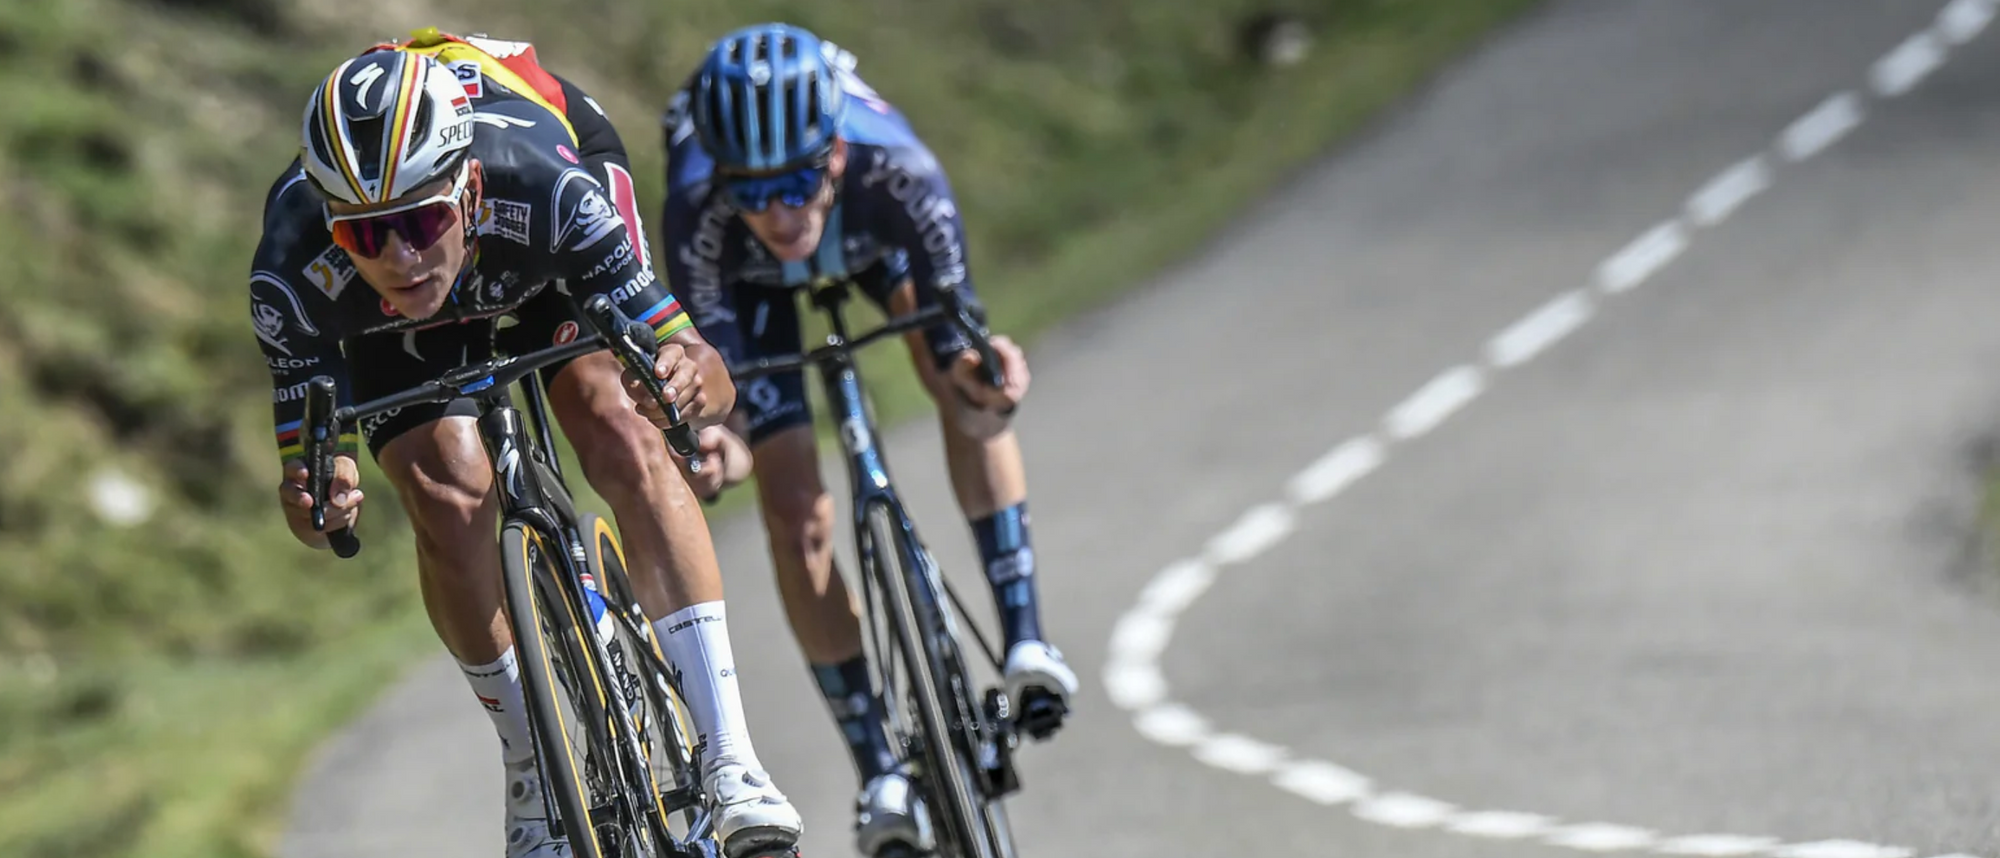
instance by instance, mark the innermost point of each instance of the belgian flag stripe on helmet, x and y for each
(398, 129)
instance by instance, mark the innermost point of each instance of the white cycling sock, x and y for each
(498, 686)
(696, 642)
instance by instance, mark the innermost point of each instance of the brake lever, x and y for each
(989, 361)
(624, 336)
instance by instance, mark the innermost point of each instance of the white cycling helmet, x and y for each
(383, 123)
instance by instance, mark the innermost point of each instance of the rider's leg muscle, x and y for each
(625, 459)
(799, 521)
(442, 478)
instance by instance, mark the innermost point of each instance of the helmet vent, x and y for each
(420, 127)
(367, 137)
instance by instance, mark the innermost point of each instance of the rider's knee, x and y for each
(621, 452)
(958, 418)
(800, 514)
(446, 485)
(936, 379)
(798, 510)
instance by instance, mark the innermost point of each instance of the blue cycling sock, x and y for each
(1010, 568)
(851, 697)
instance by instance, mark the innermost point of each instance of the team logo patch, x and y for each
(270, 322)
(505, 218)
(587, 221)
(330, 272)
(270, 299)
(469, 76)
(566, 333)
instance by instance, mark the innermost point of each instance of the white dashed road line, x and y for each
(1719, 198)
(1132, 673)
(1647, 254)
(1822, 127)
(1539, 330)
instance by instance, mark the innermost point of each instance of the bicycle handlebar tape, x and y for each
(975, 328)
(321, 439)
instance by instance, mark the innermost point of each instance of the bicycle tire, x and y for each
(993, 810)
(951, 773)
(521, 553)
(605, 560)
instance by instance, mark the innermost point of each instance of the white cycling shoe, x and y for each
(888, 812)
(528, 834)
(1039, 686)
(752, 818)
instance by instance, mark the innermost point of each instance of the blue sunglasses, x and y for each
(794, 189)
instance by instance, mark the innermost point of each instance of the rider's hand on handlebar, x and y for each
(343, 507)
(971, 383)
(680, 380)
(727, 458)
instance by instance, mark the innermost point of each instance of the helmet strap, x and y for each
(469, 213)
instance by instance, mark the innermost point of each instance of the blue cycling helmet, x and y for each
(767, 98)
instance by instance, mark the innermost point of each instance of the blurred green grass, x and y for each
(161, 682)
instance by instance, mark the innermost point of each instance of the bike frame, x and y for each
(871, 488)
(532, 492)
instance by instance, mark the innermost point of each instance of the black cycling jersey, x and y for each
(550, 220)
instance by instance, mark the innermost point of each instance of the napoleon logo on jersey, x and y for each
(588, 221)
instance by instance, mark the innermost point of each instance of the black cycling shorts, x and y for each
(382, 364)
(770, 321)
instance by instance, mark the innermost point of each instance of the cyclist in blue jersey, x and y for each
(785, 168)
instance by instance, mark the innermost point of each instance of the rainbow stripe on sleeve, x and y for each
(667, 319)
(291, 447)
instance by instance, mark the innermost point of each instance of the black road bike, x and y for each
(610, 730)
(959, 740)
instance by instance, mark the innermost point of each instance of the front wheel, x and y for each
(664, 736)
(536, 620)
(951, 727)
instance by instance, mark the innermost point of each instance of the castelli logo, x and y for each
(389, 309)
(564, 151)
(565, 333)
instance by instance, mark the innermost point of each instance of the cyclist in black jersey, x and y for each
(785, 168)
(444, 185)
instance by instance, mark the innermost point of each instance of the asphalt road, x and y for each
(1703, 566)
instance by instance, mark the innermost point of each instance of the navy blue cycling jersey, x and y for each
(894, 213)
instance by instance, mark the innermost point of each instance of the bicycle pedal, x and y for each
(1042, 713)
